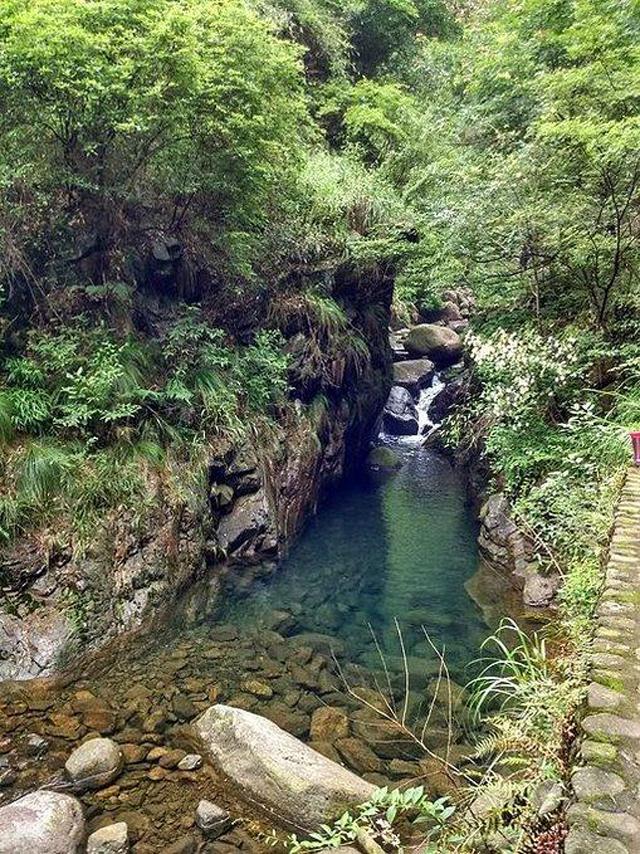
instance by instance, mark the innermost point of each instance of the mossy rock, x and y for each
(440, 344)
(383, 460)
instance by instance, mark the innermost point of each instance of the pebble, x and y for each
(212, 820)
(190, 762)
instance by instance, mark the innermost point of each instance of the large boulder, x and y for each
(95, 763)
(438, 343)
(46, 822)
(400, 417)
(413, 375)
(246, 523)
(277, 771)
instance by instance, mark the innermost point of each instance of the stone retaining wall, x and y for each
(605, 818)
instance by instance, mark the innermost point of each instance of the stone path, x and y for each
(605, 819)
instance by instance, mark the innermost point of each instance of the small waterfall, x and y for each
(425, 424)
(427, 396)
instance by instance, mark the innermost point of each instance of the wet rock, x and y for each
(190, 762)
(171, 758)
(292, 721)
(401, 768)
(276, 770)
(133, 753)
(443, 346)
(66, 726)
(112, 839)
(185, 845)
(413, 375)
(326, 644)
(42, 822)
(8, 776)
(257, 688)
(183, 708)
(36, 745)
(326, 749)
(358, 755)
(400, 416)
(95, 763)
(329, 723)
(212, 820)
(155, 722)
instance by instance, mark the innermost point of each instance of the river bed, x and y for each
(376, 582)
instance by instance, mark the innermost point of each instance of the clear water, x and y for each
(380, 552)
(376, 552)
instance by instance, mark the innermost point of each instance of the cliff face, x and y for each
(255, 498)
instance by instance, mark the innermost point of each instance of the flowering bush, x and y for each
(523, 371)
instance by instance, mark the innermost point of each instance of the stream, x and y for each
(375, 583)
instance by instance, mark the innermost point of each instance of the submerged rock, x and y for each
(438, 343)
(42, 822)
(383, 460)
(276, 770)
(95, 763)
(400, 415)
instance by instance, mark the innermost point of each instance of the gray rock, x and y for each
(400, 416)
(95, 763)
(607, 727)
(42, 822)
(190, 762)
(602, 698)
(112, 839)
(619, 825)
(438, 343)
(414, 374)
(276, 770)
(539, 590)
(595, 784)
(212, 820)
(580, 841)
(247, 522)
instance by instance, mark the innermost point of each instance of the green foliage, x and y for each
(376, 817)
(89, 414)
(108, 105)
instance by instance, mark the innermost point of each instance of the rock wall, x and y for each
(506, 548)
(605, 815)
(256, 499)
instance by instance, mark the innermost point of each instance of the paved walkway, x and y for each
(606, 816)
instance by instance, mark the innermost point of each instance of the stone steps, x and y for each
(605, 818)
